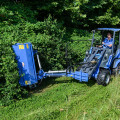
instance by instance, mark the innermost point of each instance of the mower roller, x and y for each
(99, 63)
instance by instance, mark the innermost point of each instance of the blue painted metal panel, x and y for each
(26, 63)
(109, 29)
(41, 75)
(79, 75)
(108, 64)
(116, 62)
(117, 55)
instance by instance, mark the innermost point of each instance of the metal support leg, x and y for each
(39, 62)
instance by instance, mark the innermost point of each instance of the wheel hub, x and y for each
(107, 79)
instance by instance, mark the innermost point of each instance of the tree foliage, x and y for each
(81, 13)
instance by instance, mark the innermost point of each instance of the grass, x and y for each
(67, 99)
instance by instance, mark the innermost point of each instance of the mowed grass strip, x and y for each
(67, 99)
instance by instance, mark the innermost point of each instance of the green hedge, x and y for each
(49, 37)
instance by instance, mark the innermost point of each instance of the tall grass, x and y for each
(67, 99)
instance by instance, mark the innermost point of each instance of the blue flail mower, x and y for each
(27, 69)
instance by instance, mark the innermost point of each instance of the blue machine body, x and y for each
(95, 59)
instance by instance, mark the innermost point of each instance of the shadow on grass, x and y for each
(52, 81)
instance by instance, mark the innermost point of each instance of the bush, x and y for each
(45, 36)
(49, 37)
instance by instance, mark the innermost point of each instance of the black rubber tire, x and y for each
(116, 71)
(103, 77)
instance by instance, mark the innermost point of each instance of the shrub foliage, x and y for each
(19, 26)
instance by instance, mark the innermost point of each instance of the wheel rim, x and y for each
(107, 79)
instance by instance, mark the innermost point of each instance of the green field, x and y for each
(67, 99)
